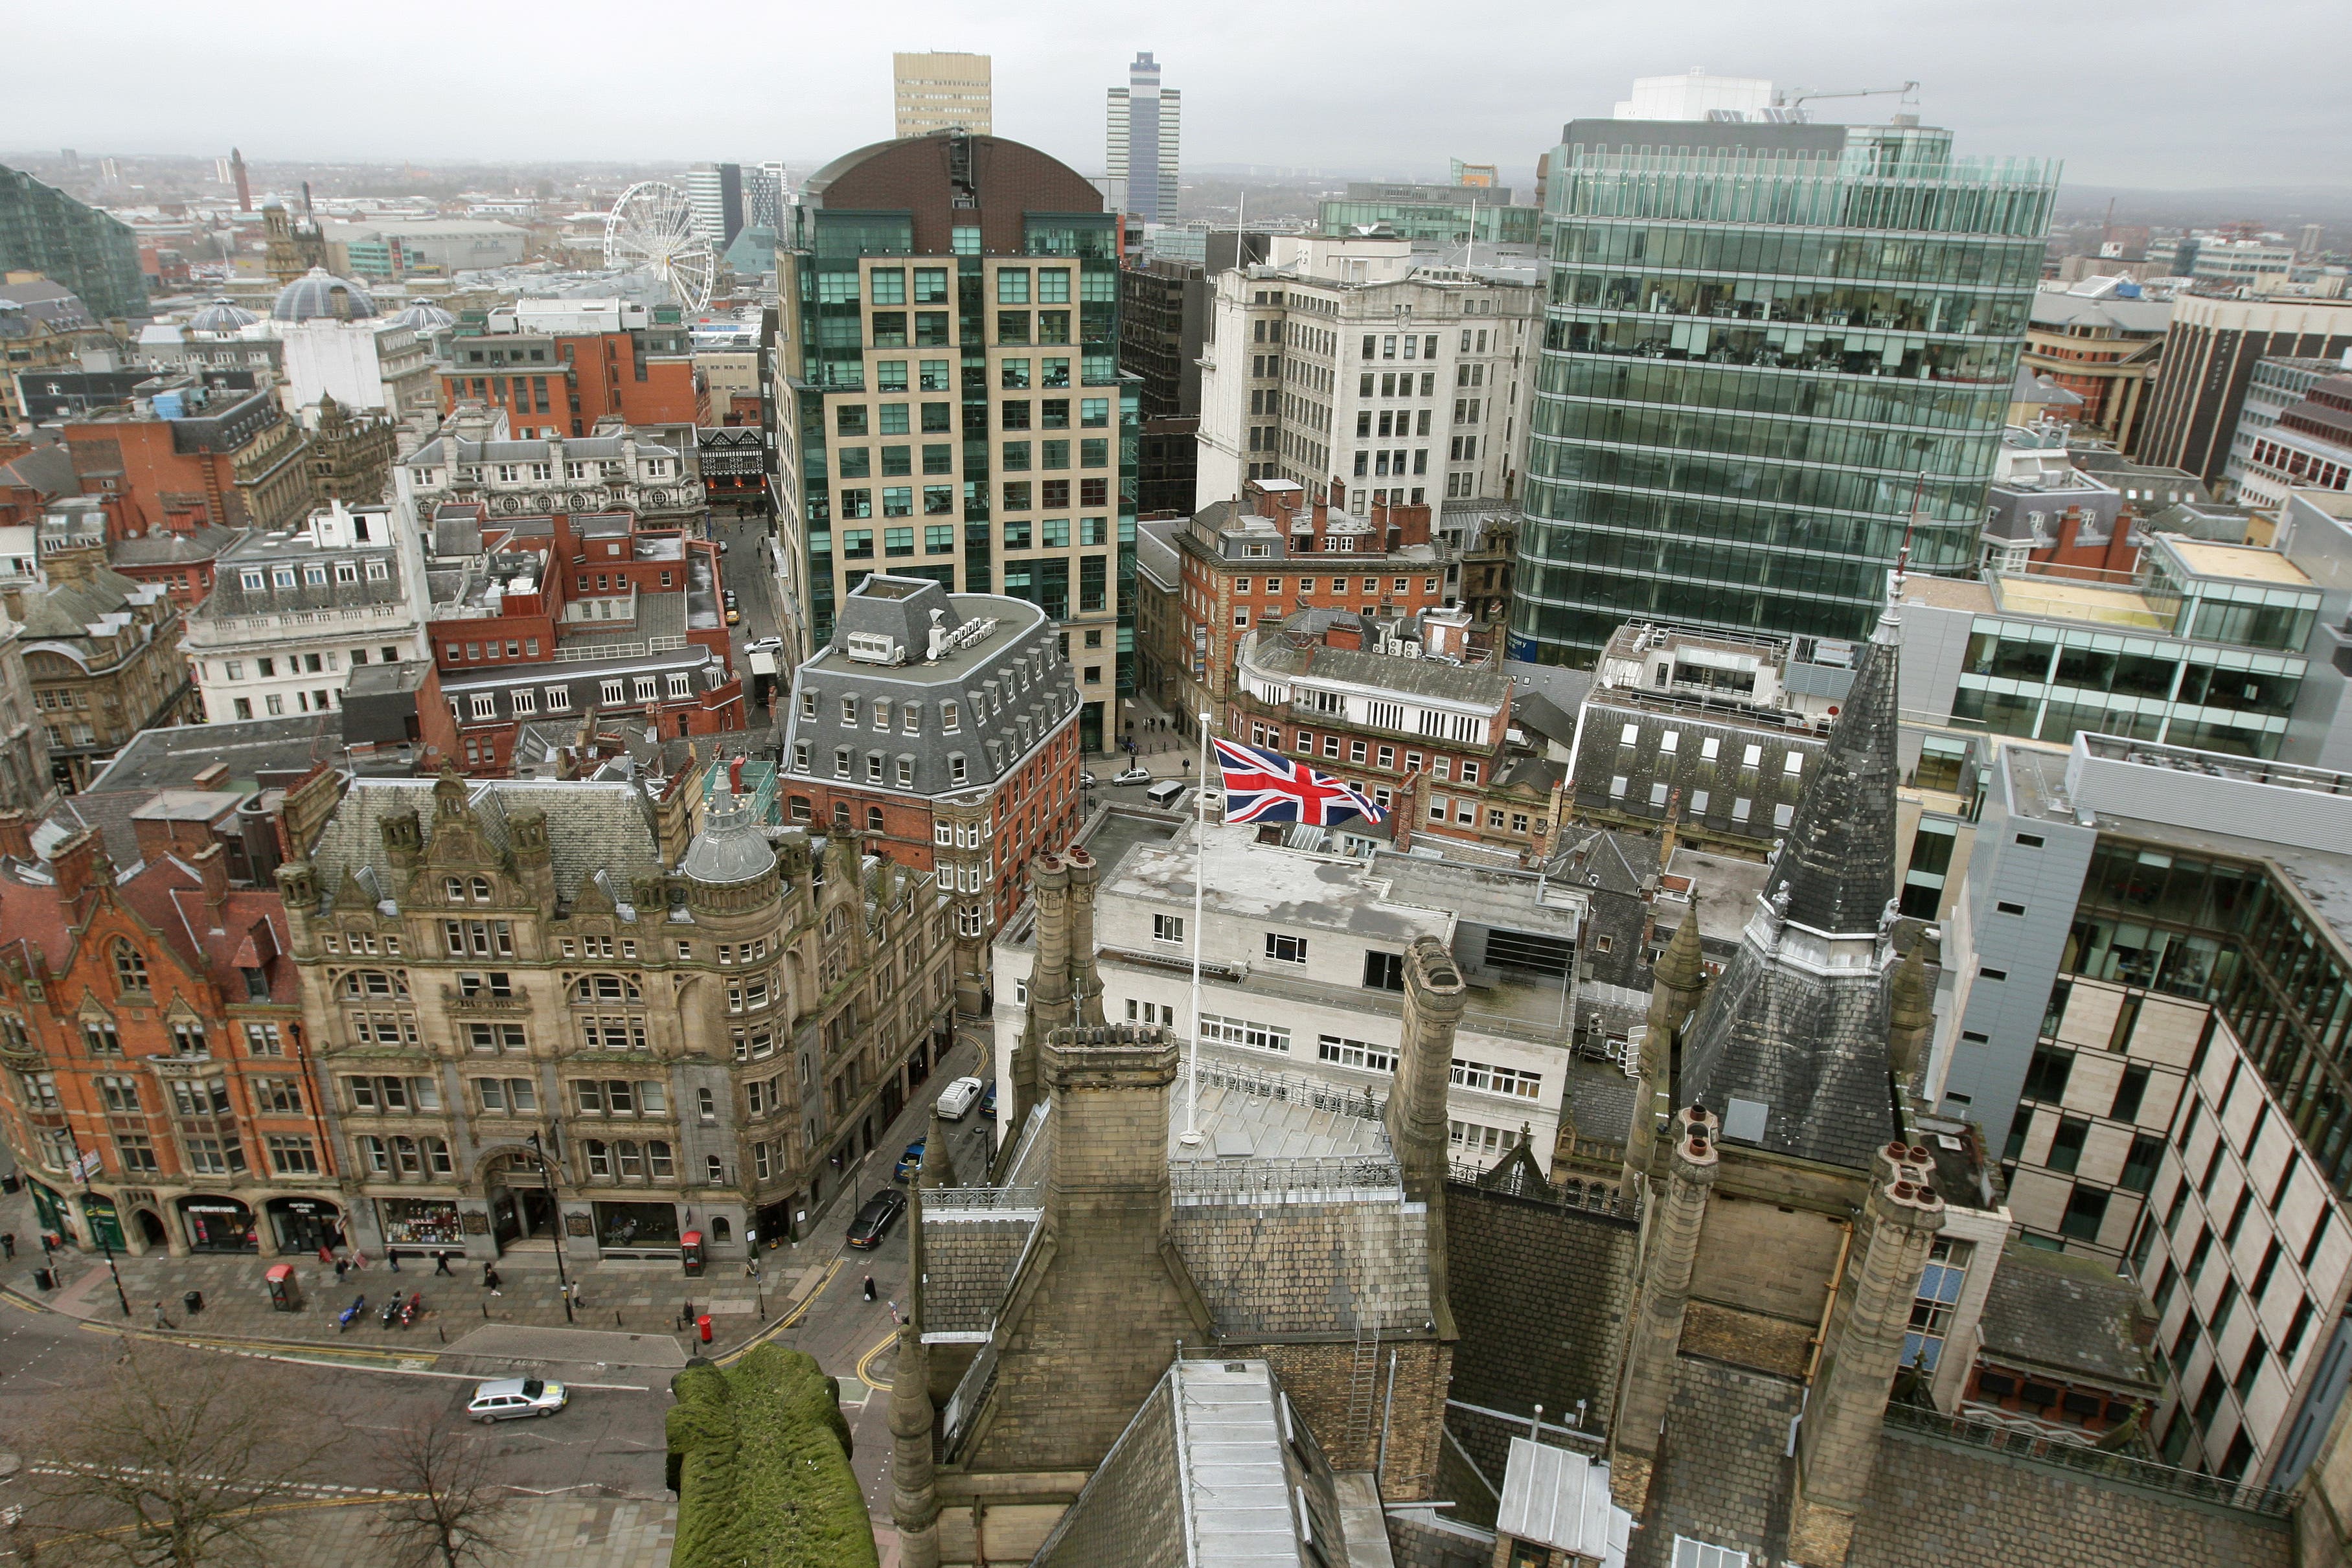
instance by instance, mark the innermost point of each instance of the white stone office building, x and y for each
(1350, 365)
(293, 613)
(1302, 969)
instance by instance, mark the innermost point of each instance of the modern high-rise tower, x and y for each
(938, 91)
(716, 192)
(1772, 350)
(1143, 124)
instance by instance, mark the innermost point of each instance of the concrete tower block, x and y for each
(1663, 1293)
(1837, 1445)
(1677, 984)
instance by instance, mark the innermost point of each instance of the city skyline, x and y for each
(1505, 104)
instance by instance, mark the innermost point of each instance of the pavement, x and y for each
(589, 1484)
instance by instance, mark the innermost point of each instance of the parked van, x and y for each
(1166, 793)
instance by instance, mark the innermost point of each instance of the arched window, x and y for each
(721, 1230)
(455, 888)
(841, 814)
(873, 818)
(714, 1169)
(658, 1163)
(600, 1158)
(130, 968)
(481, 890)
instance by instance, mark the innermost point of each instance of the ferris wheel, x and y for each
(652, 229)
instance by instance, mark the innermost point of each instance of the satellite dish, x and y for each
(651, 229)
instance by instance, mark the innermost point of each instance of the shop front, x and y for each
(523, 1209)
(51, 1210)
(420, 1222)
(637, 1229)
(774, 1223)
(217, 1224)
(305, 1224)
(105, 1224)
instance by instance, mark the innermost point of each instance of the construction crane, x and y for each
(1908, 92)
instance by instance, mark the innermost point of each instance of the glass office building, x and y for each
(949, 334)
(1769, 351)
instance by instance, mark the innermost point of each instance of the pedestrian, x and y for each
(869, 1287)
(8, 1244)
(490, 1280)
(393, 1259)
(894, 1311)
(340, 1267)
(441, 1263)
(161, 1320)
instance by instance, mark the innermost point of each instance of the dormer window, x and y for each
(130, 968)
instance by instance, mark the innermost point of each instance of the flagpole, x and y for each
(1191, 1137)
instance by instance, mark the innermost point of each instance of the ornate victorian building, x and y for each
(159, 1090)
(553, 1009)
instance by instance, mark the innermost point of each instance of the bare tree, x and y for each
(170, 1458)
(448, 1510)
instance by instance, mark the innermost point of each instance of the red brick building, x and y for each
(161, 1091)
(563, 383)
(566, 617)
(1261, 559)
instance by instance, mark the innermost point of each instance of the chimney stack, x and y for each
(212, 864)
(74, 864)
(1435, 996)
(15, 835)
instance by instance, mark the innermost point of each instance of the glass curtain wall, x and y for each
(1757, 359)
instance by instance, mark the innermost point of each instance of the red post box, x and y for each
(702, 1327)
(690, 1251)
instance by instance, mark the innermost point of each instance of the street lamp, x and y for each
(555, 1196)
(81, 1168)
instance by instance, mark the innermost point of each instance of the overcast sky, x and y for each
(2164, 94)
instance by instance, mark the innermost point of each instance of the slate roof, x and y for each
(49, 469)
(1712, 787)
(171, 758)
(1721, 1479)
(592, 827)
(1810, 1046)
(1839, 861)
(1386, 672)
(2073, 1315)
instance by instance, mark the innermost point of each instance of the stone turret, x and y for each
(1435, 996)
(1049, 985)
(1662, 1290)
(1837, 1443)
(914, 1499)
(937, 1169)
(1678, 982)
(1910, 1013)
(1086, 982)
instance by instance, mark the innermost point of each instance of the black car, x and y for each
(874, 1222)
(988, 1102)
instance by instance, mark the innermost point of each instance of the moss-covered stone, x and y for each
(759, 1455)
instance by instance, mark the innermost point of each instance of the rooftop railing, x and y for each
(1302, 1176)
(2122, 1470)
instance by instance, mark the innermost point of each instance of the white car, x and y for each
(764, 645)
(512, 1398)
(957, 1099)
(1132, 776)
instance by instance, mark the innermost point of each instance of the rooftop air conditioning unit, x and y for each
(875, 648)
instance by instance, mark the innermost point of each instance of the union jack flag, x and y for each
(1264, 786)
